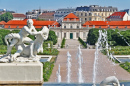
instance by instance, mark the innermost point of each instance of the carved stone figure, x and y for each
(19, 39)
(110, 80)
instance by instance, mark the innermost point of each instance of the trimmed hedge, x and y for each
(47, 70)
(63, 43)
(49, 51)
(126, 66)
(118, 50)
(82, 42)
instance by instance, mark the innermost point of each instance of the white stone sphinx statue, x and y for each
(110, 80)
(19, 39)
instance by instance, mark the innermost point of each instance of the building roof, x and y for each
(106, 24)
(2, 22)
(18, 15)
(126, 10)
(71, 16)
(97, 8)
(47, 14)
(37, 24)
(117, 15)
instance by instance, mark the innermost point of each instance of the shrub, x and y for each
(126, 66)
(49, 51)
(47, 69)
(63, 43)
(82, 42)
(52, 37)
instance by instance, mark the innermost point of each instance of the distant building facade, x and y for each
(18, 16)
(47, 16)
(94, 12)
(71, 28)
(2, 11)
(61, 13)
(33, 14)
(119, 16)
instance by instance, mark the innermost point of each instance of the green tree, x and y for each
(52, 37)
(93, 36)
(6, 17)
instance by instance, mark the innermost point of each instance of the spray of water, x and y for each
(80, 61)
(58, 75)
(68, 67)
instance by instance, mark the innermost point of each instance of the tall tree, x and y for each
(52, 37)
(6, 17)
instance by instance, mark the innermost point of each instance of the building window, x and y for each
(85, 14)
(64, 26)
(95, 14)
(98, 14)
(9, 26)
(64, 35)
(77, 35)
(84, 34)
(71, 26)
(77, 26)
(58, 34)
(102, 14)
(85, 19)
(90, 19)
(90, 14)
(17, 26)
(77, 14)
(81, 14)
(95, 19)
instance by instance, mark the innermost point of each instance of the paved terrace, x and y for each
(72, 43)
(105, 67)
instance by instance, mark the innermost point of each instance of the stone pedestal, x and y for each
(21, 73)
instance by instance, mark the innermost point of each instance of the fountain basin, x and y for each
(45, 58)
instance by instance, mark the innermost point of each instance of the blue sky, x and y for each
(22, 6)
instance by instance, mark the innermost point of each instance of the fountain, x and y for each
(95, 63)
(80, 61)
(68, 67)
(58, 75)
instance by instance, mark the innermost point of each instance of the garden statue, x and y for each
(19, 39)
(49, 45)
(110, 80)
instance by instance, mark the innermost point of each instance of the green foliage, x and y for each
(45, 44)
(114, 37)
(1, 41)
(40, 19)
(93, 36)
(47, 70)
(15, 31)
(126, 66)
(63, 43)
(82, 42)
(6, 17)
(52, 37)
(49, 51)
(118, 50)
(3, 49)
(3, 33)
